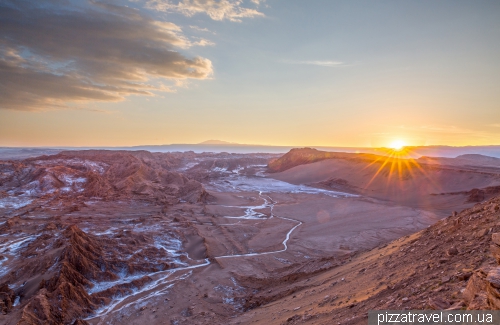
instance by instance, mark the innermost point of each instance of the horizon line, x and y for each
(241, 145)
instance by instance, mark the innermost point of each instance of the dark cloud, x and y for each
(96, 52)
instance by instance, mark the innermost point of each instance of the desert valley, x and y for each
(134, 237)
(185, 162)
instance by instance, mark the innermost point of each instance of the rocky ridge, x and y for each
(300, 156)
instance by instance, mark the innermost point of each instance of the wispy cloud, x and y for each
(496, 125)
(203, 42)
(232, 10)
(330, 64)
(199, 29)
(50, 57)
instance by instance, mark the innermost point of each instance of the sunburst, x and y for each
(397, 145)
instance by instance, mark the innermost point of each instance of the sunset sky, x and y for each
(271, 72)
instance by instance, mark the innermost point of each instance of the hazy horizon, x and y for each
(235, 148)
(235, 144)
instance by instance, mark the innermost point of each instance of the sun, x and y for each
(397, 145)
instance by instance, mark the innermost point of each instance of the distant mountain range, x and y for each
(219, 142)
(224, 146)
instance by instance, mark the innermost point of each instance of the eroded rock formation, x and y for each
(99, 173)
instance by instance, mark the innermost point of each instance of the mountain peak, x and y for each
(216, 142)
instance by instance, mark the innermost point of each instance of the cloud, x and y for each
(330, 64)
(199, 29)
(497, 125)
(231, 10)
(52, 56)
(203, 42)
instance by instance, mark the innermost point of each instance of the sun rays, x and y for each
(398, 165)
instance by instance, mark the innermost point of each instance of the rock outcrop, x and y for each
(63, 298)
(62, 294)
(7, 298)
(483, 289)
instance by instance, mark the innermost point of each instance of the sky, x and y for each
(270, 72)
